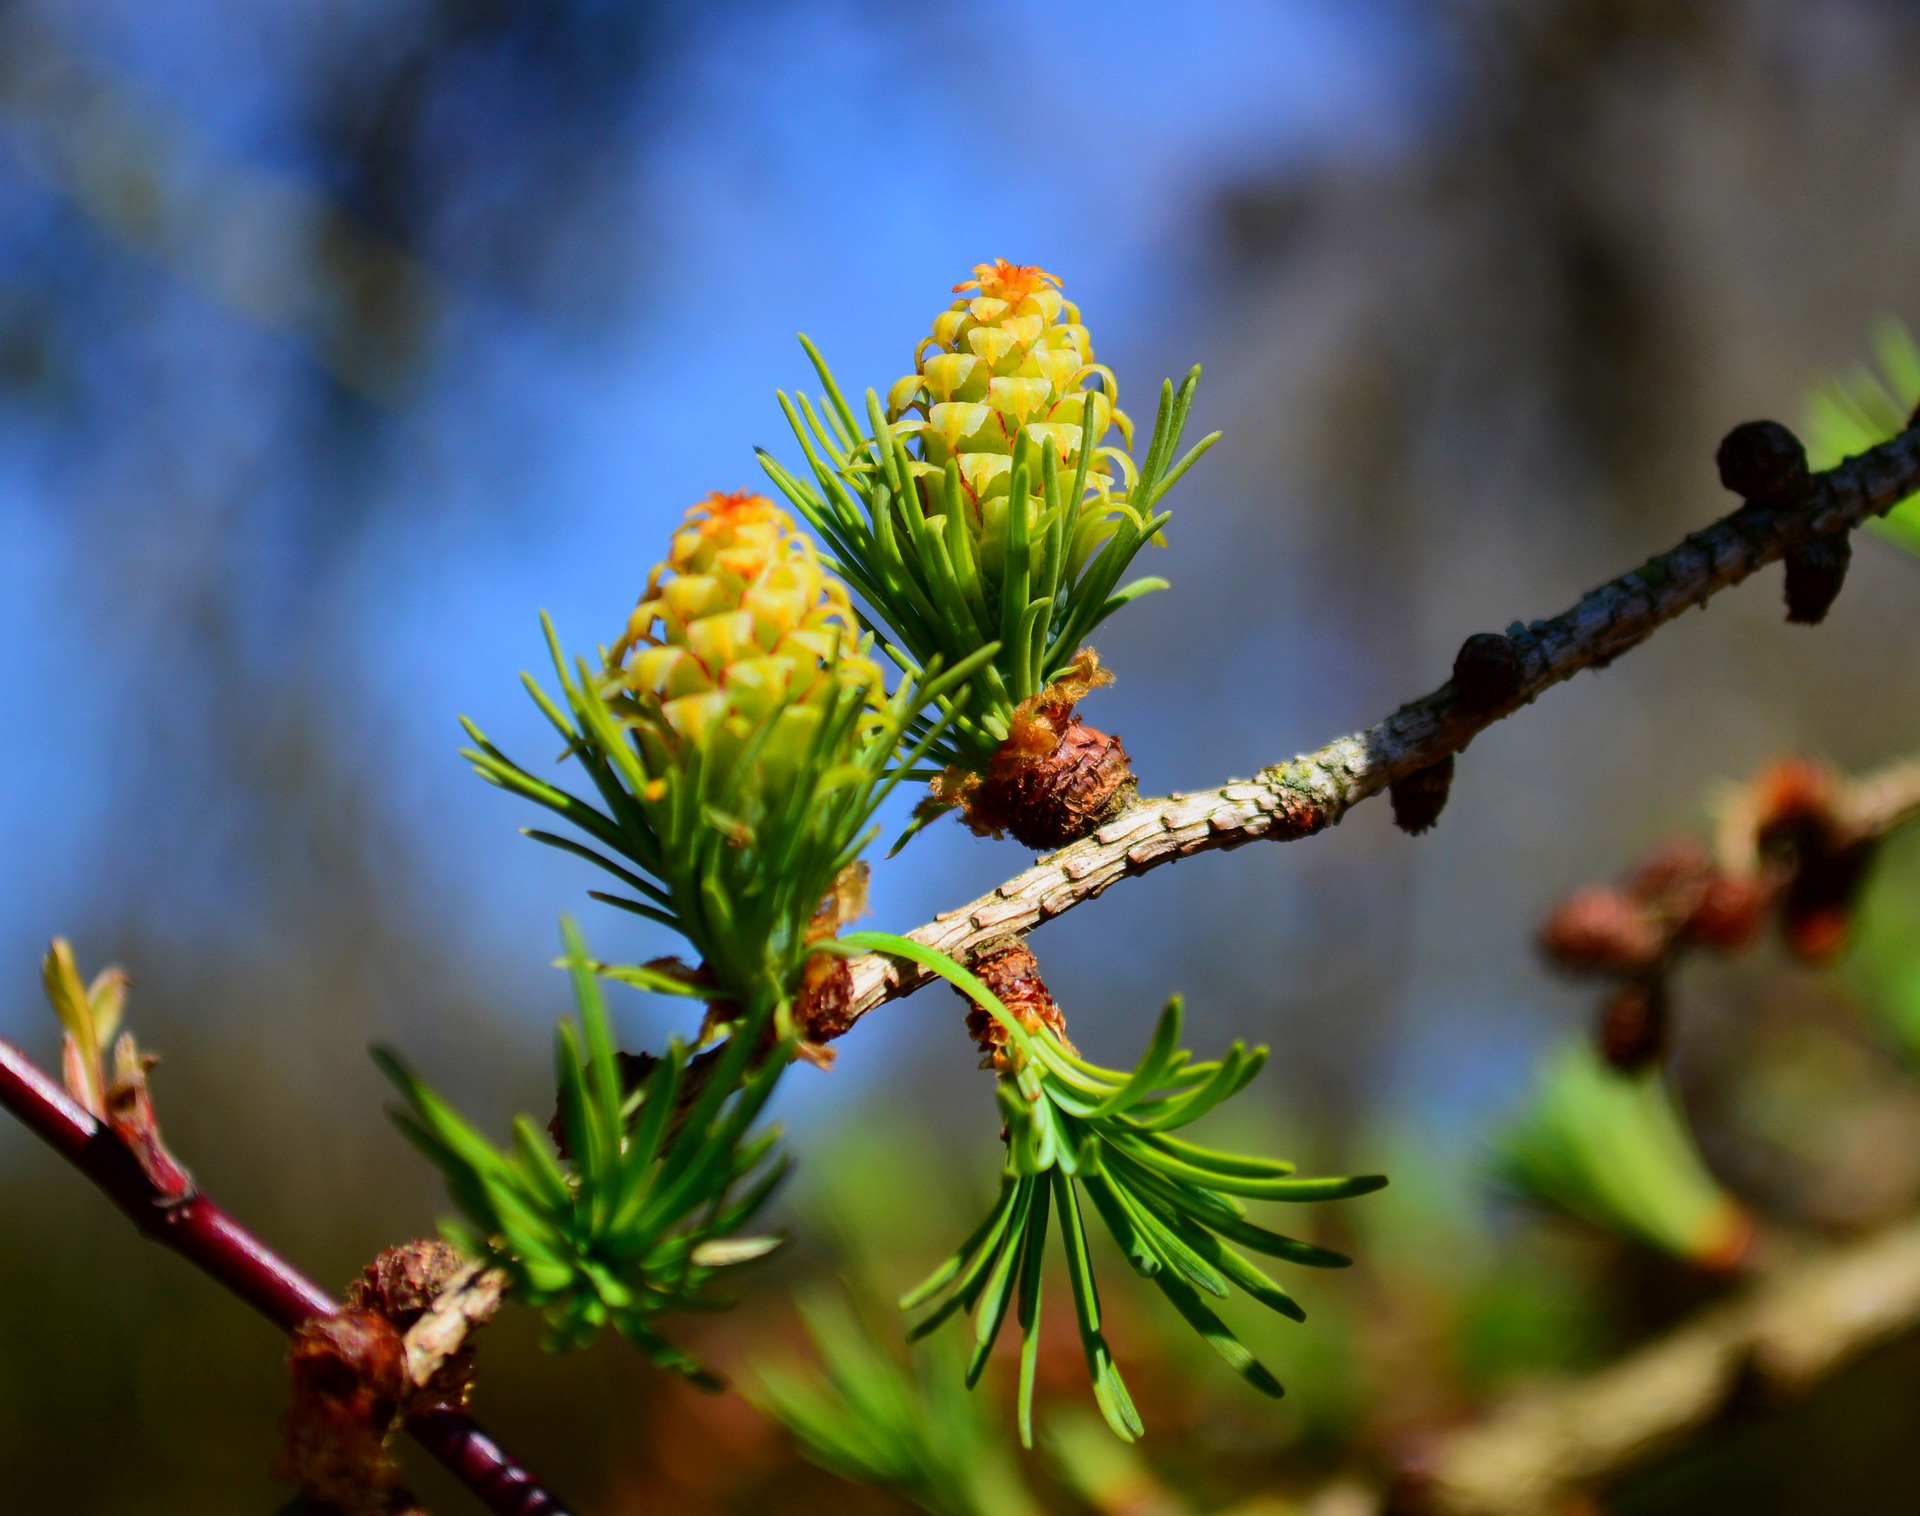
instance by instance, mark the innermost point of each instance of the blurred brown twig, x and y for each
(1795, 845)
(1800, 1324)
(1803, 1319)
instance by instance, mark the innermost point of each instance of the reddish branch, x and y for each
(1495, 676)
(215, 1243)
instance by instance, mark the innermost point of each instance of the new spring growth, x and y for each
(1613, 1149)
(741, 628)
(983, 504)
(1075, 1130)
(647, 1211)
(738, 740)
(111, 1092)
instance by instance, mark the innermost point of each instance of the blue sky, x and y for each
(832, 168)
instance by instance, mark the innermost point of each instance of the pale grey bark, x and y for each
(1315, 790)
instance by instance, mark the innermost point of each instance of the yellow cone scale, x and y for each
(1010, 356)
(741, 624)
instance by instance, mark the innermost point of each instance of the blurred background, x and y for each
(338, 339)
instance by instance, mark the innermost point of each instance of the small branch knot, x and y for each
(1815, 574)
(1486, 670)
(1761, 460)
(1419, 798)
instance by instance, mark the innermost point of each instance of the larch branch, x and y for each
(1314, 791)
(1884, 801)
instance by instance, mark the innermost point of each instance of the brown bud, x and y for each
(350, 1354)
(1796, 809)
(1011, 971)
(1760, 459)
(401, 1285)
(1054, 779)
(1634, 1025)
(1048, 794)
(823, 1006)
(1814, 576)
(1486, 670)
(349, 1374)
(1419, 798)
(1730, 912)
(1672, 878)
(403, 1281)
(1601, 931)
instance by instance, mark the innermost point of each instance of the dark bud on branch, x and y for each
(1802, 832)
(1814, 576)
(1420, 797)
(1054, 779)
(823, 1006)
(401, 1286)
(1761, 460)
(403, 1344)
(1672, 879)
(1690, 899)
(1486, 670)
(1796, 811)
(1634, 1025)
(404, 1281)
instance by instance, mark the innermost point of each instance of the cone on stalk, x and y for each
(992, 501)
(738, 738)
